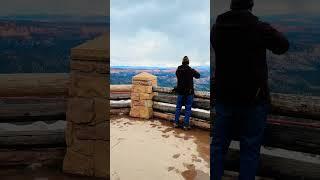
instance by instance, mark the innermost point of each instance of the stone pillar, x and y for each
(87, 132)
(141, 95)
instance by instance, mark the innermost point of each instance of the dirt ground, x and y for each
(152, 149)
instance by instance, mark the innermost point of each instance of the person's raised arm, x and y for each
(273, 40)
(196, 74)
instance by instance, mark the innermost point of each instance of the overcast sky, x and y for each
(160, 32)
(60, 7)
(274, 7)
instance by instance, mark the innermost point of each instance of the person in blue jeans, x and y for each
(185, 91)
(240, 87)
(247, 123)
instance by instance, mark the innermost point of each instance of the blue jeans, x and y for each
(188, 104)
(246, 122)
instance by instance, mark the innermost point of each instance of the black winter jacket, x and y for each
(185, 75)
(240, 42)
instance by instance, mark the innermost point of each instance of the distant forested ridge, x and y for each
(166, 76)
(42, 44)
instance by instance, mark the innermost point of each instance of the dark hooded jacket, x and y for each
(240, 42)
(185, 75)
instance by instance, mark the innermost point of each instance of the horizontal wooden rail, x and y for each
(295, 135)
(43, 138)
(120, 111)
(120, 88)
(32, 109)
(166, 108)
(15, 85)
(281, 104)
(296, 105)
(172, 99)
(57, 84)
(281, 132)
(198, 94)
(119, 104)
(122, 96)
(47, 157)
(193, 121)
(279, 165)
(42, 84)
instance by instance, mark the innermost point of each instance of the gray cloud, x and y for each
(153, 32)
(65, 7)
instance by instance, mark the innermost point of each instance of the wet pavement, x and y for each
(152, 149)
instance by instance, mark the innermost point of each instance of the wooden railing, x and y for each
(120, 99)
(294, 122)
(164, 106)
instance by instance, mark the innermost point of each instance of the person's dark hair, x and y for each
(185, 60)
(242, 4)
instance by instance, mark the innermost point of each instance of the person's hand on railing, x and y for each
(174, 90)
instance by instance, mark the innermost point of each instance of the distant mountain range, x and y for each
(57, 18)
(166, 75)
(42, 43)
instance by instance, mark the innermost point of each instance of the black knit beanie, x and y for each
(241, 4)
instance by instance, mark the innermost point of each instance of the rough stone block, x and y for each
(80, 110)
(138, 89)
(135, 96)
(135, 112)
(144, 76)
(102, 110)
(142, 83)
(148, 103)
(89, 85)
(154, 82)
(76, 163)
(90, 67)
(96, 50)
(103, 131)
(148, 89)
(146, 96)
(145, 112)
(137, 103)
(84, 147)
(85, 132)
(69, 133)
(100, 131)
(101, 158)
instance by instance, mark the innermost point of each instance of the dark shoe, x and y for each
(186, 128)
(175, 125)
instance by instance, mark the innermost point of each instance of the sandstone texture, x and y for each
(88, 132)
(141, 95)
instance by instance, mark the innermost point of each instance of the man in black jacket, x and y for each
(185, 91)
(240, 41)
